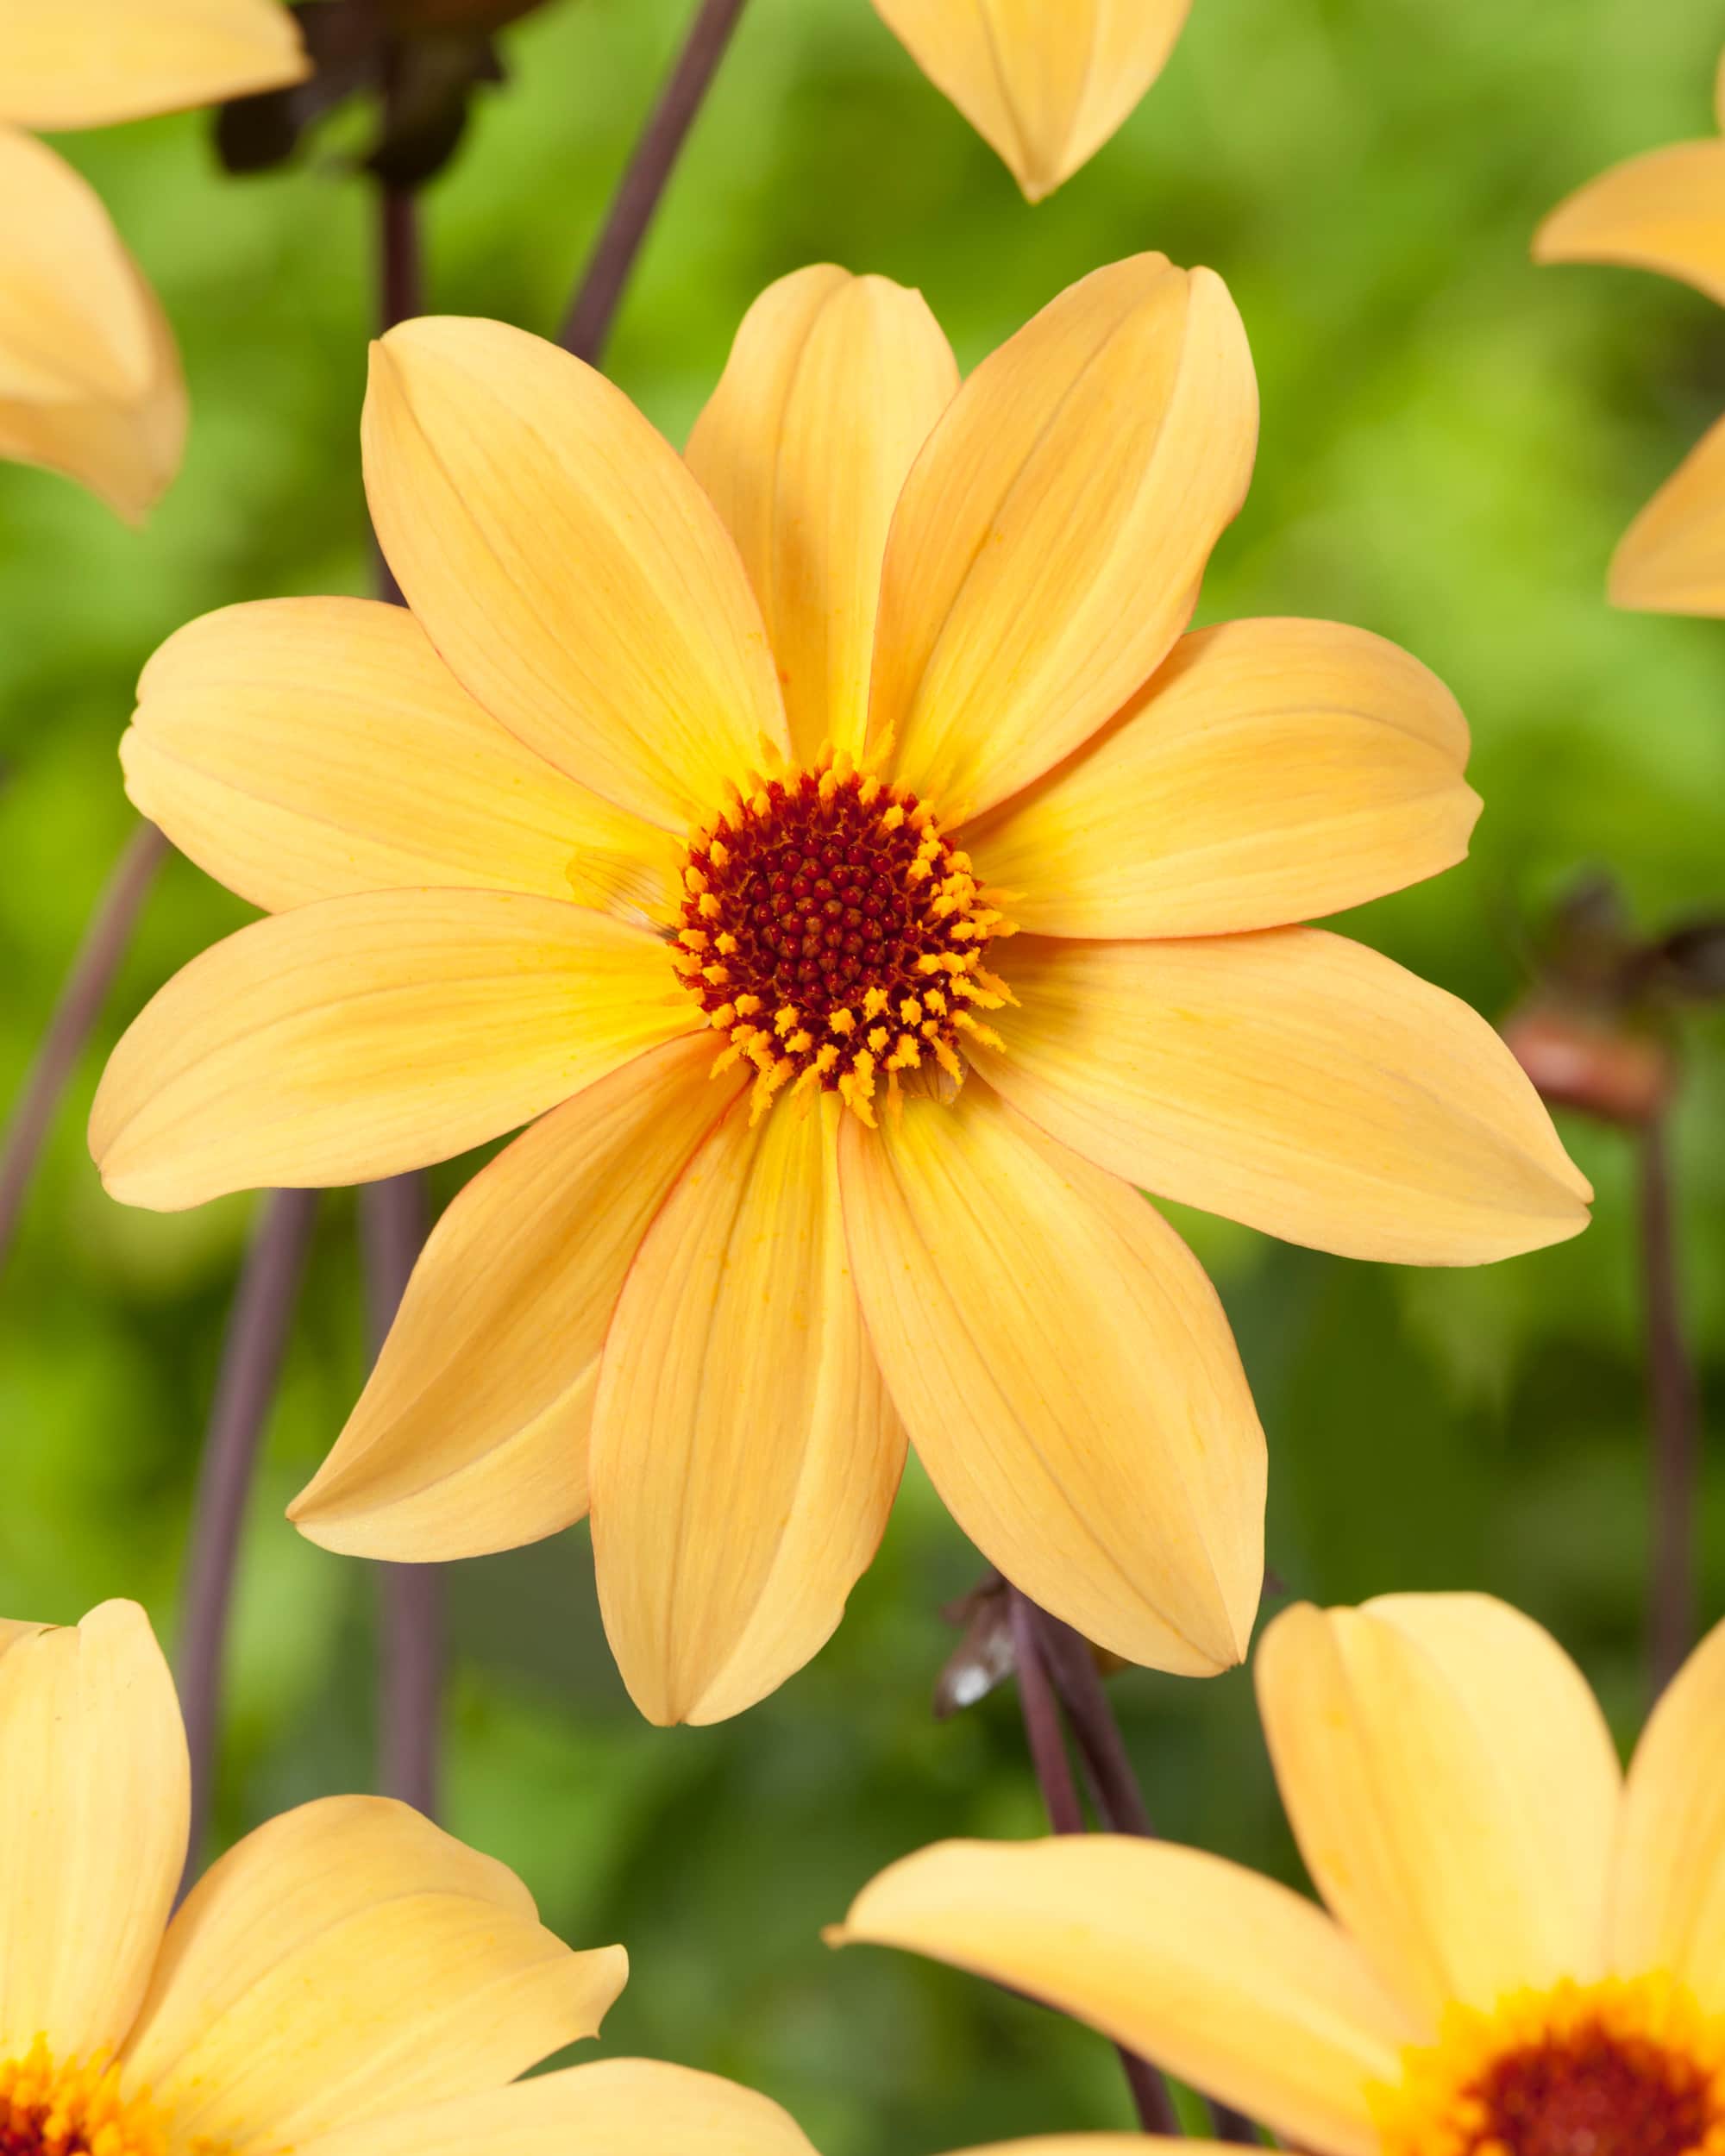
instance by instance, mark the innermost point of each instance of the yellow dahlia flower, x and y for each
(688, 809)
(1526, 1952)
(1044, 82)
(90, 381)
(1662, 211)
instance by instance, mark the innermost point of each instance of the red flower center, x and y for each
(1592, 2093)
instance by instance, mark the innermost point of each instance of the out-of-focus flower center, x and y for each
(1612, 2069)
(73, 2109)
(835, 937)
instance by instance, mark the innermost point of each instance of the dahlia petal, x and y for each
(304, 749)
(1234, 1983)
(471, 1434)
(89, 382)
(567, 566)
(744, 1454)
(1453, 1787)
(363, 1036)
(1668, 1904)
(1292, 1079)
(94, 1810)
(830, 389)
(1067, 1375)
(347, 1960)
(1044, 86)
(1049, 543)
(1671, 559)
(93, 62)
(1662, 211)
(1269, 772)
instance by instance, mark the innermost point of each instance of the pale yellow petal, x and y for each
(745, 1455)
(1045, 85)
(1292, 1079)
(90, 63)
(93, 1821)
(89, 382)
(1269, 772)
(1671, 559)
(1067, 1375)
(830, 389)
(347, 1960)
(1453, 1789)
(567, 566)
(615, 2106)
(471, 1434)
(1049, 543)
(362, 1035)
(1237, 1985)
(1668, 1901)
(1662, 211)
(302, 748)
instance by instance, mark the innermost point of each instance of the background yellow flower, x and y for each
(90, 380)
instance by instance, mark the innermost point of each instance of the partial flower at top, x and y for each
(1662, 211)
(834, 842)
(90, 381)
(1044, 82)
(1525, 1953)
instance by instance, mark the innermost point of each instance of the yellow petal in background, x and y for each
(1271, 771)
(830, 389)
(1237, 1985)
(1671, 559)
(567, 566)
(302, 748)
(1665, 211)
(89, 382)
(90, 63)
(615, 2106)
(1067, 1375)
(745, 1455)
(363, 1036)
(1453, 1787)
(93, 1822)
(471, 1434)
(1046, 85)
(1669, 1894)
(346, 1960)
(1295, 1081)
(1049, 543)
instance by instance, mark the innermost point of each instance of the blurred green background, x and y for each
(1451, 442)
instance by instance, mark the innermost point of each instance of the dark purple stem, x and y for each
(1047, 1741)
(1674, 1410)
(258, 1327)
(75, 1015)
(588, 326)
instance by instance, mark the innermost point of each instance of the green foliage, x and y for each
(1452, 441)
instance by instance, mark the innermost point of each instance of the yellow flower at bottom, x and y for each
(90, 381)
(1664, 211)
(1524, 1954)
(834, 842)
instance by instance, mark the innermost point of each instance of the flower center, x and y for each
(835, 937)
(1611, 2069)
(75, 2110)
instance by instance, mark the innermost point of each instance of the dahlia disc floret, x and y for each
(833, 848)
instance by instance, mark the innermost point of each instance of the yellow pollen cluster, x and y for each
(74, 2109)
(1618, 2068)
(834, 936)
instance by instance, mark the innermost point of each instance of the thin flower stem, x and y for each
(258, 1327)
(394, 1217)
(1046, 1738)
(1674, 1409)
(81, 999)
(588, 326)
(1120, 1807)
